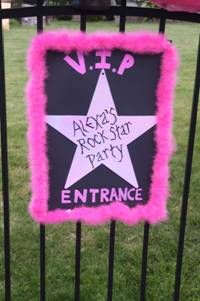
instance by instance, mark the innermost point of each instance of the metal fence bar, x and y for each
(42, 264)
(122, 23)
(143, 281)
(186, 187)
(39, 18)
(113, 10)
(111, 260)
(77, 262)
(78, 224)
(122, 20)
(42, 227)
(5, 177)
(83, 22)
(144, 262)
(162, 24)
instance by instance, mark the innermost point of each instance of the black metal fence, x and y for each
(122, 11)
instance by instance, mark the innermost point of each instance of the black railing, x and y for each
(186, 186)
(115, 10)
(122, 11)
(5, 183)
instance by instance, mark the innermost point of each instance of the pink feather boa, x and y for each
(142, 43)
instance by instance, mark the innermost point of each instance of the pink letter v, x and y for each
(80, 66)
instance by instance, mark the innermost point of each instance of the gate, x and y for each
(122, 11)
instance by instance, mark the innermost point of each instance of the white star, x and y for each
(101, 136)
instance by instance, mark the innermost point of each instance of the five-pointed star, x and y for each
(111, 149)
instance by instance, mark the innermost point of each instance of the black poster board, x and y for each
(70, 95)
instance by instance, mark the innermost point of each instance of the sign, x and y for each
(100, 119)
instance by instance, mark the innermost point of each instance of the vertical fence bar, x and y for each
(186, 187)
(122, 19)
(42, 227)
(143, 280)
(162, 24)
(39, 18)
(4, 164)
(111, 260)
(77, 262)
(144, 262)
(42, 264)
(122, 23)
(78, 224)
(83, 22)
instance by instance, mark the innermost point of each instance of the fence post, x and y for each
(186, 187)
(4, 164)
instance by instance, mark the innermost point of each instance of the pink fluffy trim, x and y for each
(143, 43)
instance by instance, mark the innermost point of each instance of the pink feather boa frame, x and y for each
(142, 43)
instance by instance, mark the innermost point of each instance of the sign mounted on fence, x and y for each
(100, 126)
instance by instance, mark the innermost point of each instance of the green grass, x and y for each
(61, 238)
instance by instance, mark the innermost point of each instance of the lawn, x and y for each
(60, 239)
